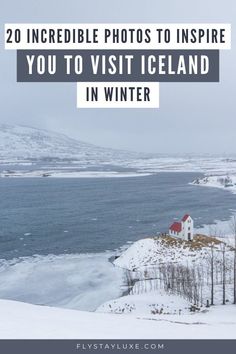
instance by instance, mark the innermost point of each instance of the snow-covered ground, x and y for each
(150, 252)
(149, 311)
(145, 304)
(24, 321)
(149, 260)
(226, 182)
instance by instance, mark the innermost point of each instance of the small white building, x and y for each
(182, 229)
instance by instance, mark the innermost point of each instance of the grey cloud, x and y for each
(192, 117)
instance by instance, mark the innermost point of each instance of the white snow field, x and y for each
(149, 312)
(145, 304)
(222, 181)
(24, 321)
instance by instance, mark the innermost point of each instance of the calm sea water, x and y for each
(57, 216)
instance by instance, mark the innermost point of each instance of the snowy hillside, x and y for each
(25, 143)
(151, 252)
(177, 267)
(30, 152)
(149, 311)
(150, 303)
(24, 321)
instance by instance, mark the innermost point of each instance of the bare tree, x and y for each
(212, 232)
(212, 271)
(233, 229)
(223, 271)
(223, 250)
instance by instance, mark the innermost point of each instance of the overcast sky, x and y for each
(194, 117)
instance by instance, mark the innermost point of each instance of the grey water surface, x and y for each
(57, 216)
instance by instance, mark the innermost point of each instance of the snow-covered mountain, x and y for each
(31, 152)
(45, 152)
(26, 143)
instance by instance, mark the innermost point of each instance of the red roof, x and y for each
(185, 217)
(176, 226)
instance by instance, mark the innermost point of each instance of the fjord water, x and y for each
(57, 216)
(66, 229)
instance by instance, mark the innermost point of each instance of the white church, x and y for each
(182, 229)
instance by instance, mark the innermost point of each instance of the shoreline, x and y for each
(220, 224)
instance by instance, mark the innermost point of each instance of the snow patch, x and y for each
(24, 321)
(151, 303)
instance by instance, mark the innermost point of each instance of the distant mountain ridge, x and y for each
(46, 150)
(26, 143)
